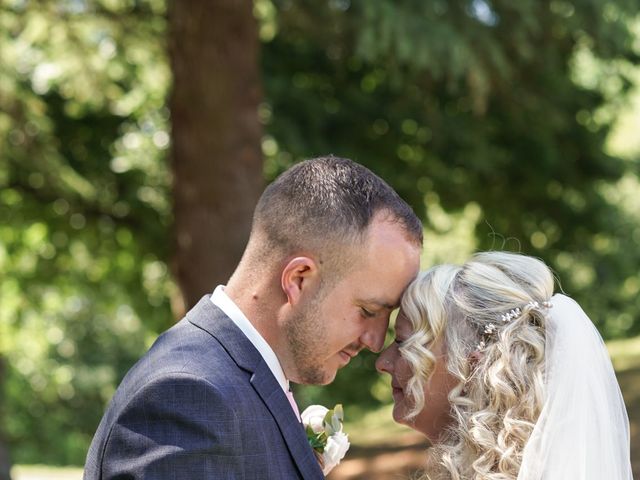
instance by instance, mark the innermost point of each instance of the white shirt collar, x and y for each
(221, 300)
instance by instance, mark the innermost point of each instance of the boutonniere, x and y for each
(325, 435)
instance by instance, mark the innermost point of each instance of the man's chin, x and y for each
(328, 378)
(316, 377)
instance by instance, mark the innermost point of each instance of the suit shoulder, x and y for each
(187, 349)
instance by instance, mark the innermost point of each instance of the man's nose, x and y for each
(373, 337)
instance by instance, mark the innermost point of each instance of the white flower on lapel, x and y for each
(313, 416)
(334, 451)
(325, 435)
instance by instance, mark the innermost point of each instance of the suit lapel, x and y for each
(211, 319)
(207, 316)
(294, 435)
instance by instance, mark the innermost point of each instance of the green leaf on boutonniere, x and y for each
(336, 420)
(333, 420)
(317, 440)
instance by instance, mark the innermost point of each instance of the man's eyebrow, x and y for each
(380, 303)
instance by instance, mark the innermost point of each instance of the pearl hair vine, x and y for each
(491, 328)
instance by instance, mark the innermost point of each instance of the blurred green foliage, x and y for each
(490, 117)
(84, 208)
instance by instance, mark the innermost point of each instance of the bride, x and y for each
(505, 380)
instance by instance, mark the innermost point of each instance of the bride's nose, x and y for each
(383, 362)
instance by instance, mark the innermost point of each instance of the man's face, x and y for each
(327, 330)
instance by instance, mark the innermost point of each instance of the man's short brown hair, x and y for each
(325, 205)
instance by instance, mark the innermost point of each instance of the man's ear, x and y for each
(297, 275)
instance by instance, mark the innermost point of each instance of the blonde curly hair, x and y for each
(501, 388)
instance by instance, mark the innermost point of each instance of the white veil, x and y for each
(583, 429)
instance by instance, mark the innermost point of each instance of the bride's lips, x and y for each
(396, 392)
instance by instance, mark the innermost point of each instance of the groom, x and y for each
(331, 250)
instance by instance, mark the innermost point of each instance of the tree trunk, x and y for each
(216, 155)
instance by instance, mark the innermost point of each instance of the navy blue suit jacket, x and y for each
(201, 404)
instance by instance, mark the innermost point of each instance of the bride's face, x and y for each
(435, 416)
